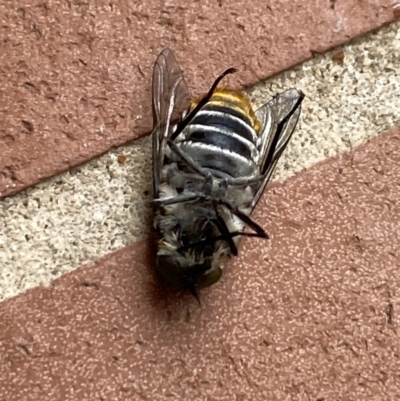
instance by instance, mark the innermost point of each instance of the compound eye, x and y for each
(170, 271)
(211, 278)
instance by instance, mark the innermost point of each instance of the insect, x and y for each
(212, 159)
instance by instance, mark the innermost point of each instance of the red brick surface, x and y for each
(75, 76)
(312, 314)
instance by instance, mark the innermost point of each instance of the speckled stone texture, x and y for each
(75, 76)
(311, 314)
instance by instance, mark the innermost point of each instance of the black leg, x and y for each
(231, 235)
(250, 222)
(246, 219)
(223, 229)
(183, 124)
(234, 210)
(244, 234)
(242, 182)
(190, 163)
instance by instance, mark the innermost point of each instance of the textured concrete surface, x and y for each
(311, 314)
(352, 94)
(75, 76)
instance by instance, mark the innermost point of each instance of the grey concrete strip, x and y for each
(311, 314)
(102, 206)
(75, 76)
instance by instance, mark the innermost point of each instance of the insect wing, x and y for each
(170, 98)
(279, 119)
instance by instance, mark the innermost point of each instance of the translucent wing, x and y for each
(170, 99)
(279, 119)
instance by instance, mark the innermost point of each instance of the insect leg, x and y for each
(260, 232)
(182, 124)
(188, 160)
(241, 182)
(176, 199)
(251, 223)
(224, 230)
(236, 234)
(230, 235)
(244, 234)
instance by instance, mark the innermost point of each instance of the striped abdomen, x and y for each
(223, 136)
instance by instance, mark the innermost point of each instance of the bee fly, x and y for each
(212, 159)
